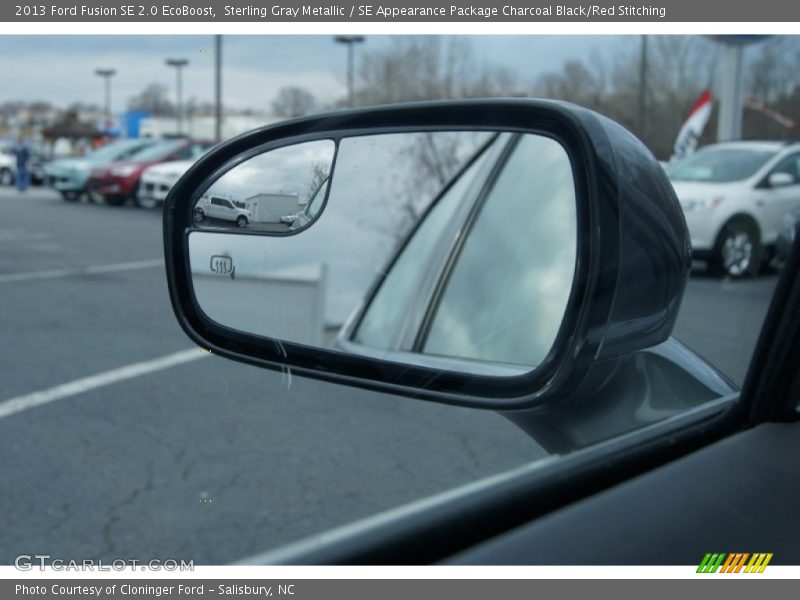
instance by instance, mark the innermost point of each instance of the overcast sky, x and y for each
(59, 69)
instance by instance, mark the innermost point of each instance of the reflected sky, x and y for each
(288, 170)
(506, 296)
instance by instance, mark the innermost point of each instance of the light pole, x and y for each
(218, 87)
(350, 41)
(107, 74)
(729, 122)
(178, 63)
(641, 113)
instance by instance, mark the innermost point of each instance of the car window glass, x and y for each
(157, 151)
(196, 151)
(789, 165)
(383, 318)
(117, 150)
(185, 153)
(519, 256)
(720, 165)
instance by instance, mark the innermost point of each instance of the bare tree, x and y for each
(429, 68)
(153, 99)
(575, 82)
(83, 107)
(679, 68)
(319, 173)
(426, 163)
(773, 73)
(293, 102)
(773, 78)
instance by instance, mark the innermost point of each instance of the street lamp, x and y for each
(218, 87)
(178, 63)
(350, 41)
(641, 118)
(729, 122)
(107, 74)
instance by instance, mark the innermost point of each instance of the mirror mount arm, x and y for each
(624, 394)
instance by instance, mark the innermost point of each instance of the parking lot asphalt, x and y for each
(119, 439)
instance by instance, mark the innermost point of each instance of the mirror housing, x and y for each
(632, 263)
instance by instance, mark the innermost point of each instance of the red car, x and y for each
(119, 181)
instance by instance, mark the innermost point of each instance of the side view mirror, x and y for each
(487, 253)
(779, 179)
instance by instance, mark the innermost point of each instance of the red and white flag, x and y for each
(692, 129)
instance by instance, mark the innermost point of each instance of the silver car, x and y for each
(221, 209)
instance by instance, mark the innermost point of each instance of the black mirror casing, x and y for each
(633, 252)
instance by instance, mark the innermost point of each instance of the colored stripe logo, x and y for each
(736, 562)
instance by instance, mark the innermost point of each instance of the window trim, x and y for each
(762, 178)
(796, 156)
(499, 503)
(475, 208)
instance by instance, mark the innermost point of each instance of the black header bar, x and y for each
(402, 11)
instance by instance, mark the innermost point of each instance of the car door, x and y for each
(224, 209)
(215, 208)
(227, 210)
(723, 483)
(778, 201)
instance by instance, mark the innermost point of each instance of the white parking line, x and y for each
(76, 271)
(79, 386)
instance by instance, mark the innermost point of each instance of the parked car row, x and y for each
(70, 176)
(120, 172)
(739, 199)
(157, 180)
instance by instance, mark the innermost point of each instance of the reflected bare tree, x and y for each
(319, 173)
(419, 68)
(293, 101)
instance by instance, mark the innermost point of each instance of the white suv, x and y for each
(221, 209)
(734, 196)
(8, 166)
(157, 181)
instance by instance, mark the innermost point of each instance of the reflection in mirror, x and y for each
(272, 192)
(454, 250)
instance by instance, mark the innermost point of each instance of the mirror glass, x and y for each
(452, 250)
(273, 192)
